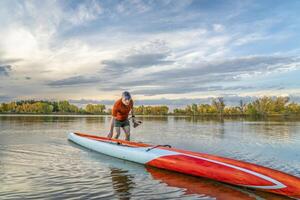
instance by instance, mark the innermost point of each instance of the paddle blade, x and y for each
(137, 123)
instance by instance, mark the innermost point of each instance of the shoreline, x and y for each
(151, 115)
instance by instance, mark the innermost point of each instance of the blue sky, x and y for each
(162, 51)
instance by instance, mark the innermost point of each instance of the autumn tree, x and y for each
(218, 104)
(95, 108)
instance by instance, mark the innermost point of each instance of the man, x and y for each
(120, 113)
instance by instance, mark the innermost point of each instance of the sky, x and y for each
(162, 51)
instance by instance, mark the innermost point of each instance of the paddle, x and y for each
(136, 123)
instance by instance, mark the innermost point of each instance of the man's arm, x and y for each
(114, 111)
(111, 130)
(112, 121)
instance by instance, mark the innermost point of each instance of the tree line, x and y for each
(49, 107)
(263, 106)
(260, 107)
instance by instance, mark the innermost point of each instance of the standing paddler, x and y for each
(120, 114)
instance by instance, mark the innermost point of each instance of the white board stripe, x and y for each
(277, 184)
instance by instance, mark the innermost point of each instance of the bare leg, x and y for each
(111, 126)
(127, 132)
(118, 130)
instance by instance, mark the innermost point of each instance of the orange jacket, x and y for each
(121, 111)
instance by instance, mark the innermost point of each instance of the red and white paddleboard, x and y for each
(197, 164)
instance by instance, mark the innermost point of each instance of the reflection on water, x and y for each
(37, 161)
(209, 188)
(122, 183)
(198, 186)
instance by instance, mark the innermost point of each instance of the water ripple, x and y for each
(37, 161)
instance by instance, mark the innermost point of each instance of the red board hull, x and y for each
(287, 184)
(201, 165)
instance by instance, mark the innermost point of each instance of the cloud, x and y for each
(186, 47)
(138, 61)
(204, 77)
(218, 27)
(4, 98)
(85, 12)
(6, 65)
(4, 61)
(183, 89)
(253, 37)
(129, 7)
(75, 80)
(153, 53)
(234, 66)
(5, 69)
(91, 101)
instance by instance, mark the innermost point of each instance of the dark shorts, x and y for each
(121, 123)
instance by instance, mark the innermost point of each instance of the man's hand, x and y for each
(133, 118)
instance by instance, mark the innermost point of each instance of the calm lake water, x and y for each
(38, 162)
